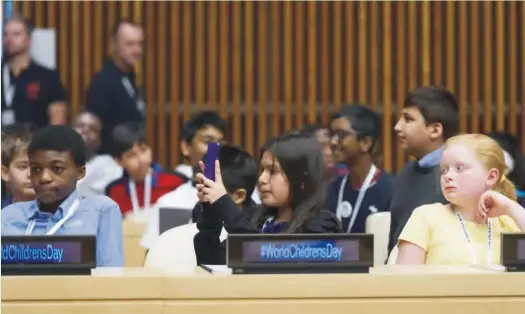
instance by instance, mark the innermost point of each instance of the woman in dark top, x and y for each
(292, 194)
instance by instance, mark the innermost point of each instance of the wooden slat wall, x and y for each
(269, 67)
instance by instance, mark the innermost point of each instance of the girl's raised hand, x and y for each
(209, 191)
(492, 204)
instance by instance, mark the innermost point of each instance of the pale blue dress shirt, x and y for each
(431, 159)
(96, 215)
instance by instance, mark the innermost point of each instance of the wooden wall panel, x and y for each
(488, 42)
(474, 67)
(150, 91)
(236, 30)
(324, 65)
(437, 39)
(299, 51)
(213, 52)
(401, 67)
(337, 66)
(312, 62)
(363, 67)
(522, 71)
(288, 59)
(413, 49)
(276, 76)
(75, 66)
(262, 71)
(426, 37)
(187, 57)
(174, 80)
(511, 65)
(462, 59)
(248, 55)
(349, 52)
(387, 84)
(161, 80)
(270, 67)
(200, 54)
(374, 63)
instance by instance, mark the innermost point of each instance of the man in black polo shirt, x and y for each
(113, 94)
(31, 93)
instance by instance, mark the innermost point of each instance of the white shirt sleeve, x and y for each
(151, 234)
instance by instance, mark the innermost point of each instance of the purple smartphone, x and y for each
(209, 162)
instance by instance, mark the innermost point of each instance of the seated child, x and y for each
(482, 205)
(143, 181)
(101, 170)
(322, 134)
(203, 128)
(292, 192)
(239, 174)
(57, 158)
(15, 165)
(366, 189)
(429, 117)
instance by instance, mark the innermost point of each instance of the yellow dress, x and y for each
(436, 229)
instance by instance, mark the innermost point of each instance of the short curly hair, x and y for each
(60, 138)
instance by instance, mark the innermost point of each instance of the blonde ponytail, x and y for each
(506, 187)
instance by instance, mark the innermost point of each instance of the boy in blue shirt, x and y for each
(57, 157)
(429, 117)
(366, 189)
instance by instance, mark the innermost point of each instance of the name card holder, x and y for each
(299, 253)
(513, 251)
(48, 255)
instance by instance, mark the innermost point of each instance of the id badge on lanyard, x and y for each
(344, 209)
(147, 194)
(473, 255)
(8, 113)
(141, 105)
(59, 224)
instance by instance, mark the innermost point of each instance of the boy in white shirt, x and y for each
(239, 172)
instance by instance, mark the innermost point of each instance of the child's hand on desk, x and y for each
(209, 191)
(492, 204)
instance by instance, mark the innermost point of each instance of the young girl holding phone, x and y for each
(292, 194)
(482, 205)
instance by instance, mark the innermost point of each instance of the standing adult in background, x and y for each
(113, 94)
(31, 93)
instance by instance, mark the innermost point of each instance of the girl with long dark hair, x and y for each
(292, 193)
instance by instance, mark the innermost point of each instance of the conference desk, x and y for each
(388, 289)
(134, 254)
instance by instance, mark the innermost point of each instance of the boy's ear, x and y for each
(185, 149)
(81, 172)
(366, 144)
(238, 196)
(5, 173)
(436, 130)
(118, 160)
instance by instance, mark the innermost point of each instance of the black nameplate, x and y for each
(300, 253)
(513, 251)
(48, 255)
